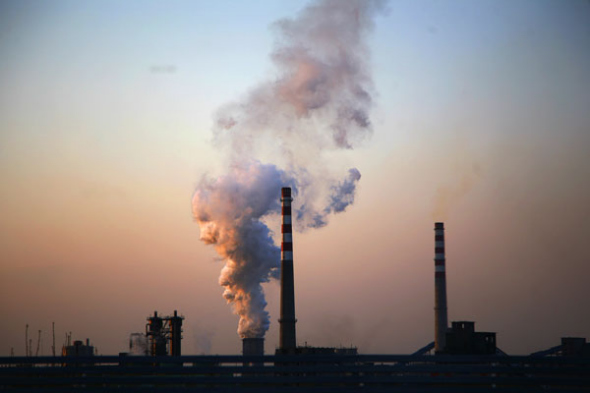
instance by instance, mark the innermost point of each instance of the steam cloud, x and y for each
(278, 135)
(229, 212)
(138, 344)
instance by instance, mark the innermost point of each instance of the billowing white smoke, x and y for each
(318, 103)
(229, 211)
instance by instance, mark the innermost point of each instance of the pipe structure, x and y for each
(440, 288)
(175, 334)
(156, 339)
(253, 346)
(287, 339)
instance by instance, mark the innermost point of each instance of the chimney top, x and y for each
(439, 225)
(286, 192)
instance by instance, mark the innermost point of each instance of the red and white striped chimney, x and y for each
(287, 340)
(440, 288)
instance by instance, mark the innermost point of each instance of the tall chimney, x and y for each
(287, 340)
(440, 288)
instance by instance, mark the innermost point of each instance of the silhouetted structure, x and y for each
(253, 346)
(175, 323)
(298, 373)
(462, 339)
(164, 334)
(440, 288)
(155, 335)
(287, 340)
(575, 346)
(78, 349)
(570, 347)
(564, 368)
(307, 350)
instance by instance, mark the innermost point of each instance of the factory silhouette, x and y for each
(163, 334)
(459, 358)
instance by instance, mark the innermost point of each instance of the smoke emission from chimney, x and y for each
(276, 136)
(229, 211)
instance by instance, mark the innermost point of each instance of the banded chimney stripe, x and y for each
(440, 288)
(287, 339)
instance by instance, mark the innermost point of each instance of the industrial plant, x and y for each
(458, 359)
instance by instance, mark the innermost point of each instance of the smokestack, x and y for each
(287, 341)
(253, 346)
(440, 288)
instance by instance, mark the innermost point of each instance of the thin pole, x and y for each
(53, 346)
(27, 340)
(38, 343)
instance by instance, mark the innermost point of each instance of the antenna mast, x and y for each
(27, 340)
(38, 343)
(53, 346)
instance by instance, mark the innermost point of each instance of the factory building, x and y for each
(78, 349)
(307, 350)
(462, 339)
(571, 347)
(575, 347)
(164, 335)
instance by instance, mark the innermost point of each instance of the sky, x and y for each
(480, 119)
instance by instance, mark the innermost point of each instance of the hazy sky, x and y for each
(482, 119)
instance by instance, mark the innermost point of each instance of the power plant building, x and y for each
(462, 339)
(78, 349)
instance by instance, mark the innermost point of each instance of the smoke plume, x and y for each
(229, 210)
(138, 344)
(203, 340)
(278, 135)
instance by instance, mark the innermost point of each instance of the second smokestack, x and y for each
(440, 288)
(287, 340)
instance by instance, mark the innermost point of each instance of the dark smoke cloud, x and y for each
(318, 100)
